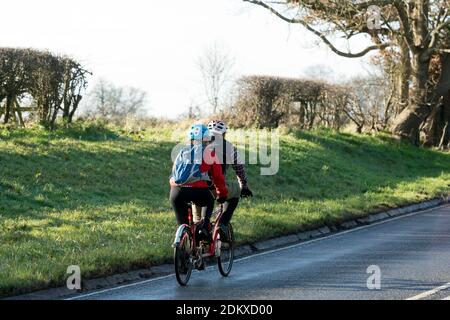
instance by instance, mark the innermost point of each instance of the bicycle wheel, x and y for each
(225, 260)
(183, 258)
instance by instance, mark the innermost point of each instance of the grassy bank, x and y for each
(98, 198)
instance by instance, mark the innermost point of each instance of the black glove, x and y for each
(221, 200)
(246, 192)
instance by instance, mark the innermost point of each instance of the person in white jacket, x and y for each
(237, 184)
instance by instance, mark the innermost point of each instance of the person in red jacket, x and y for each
(198, 192)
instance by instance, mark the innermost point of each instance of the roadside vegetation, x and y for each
(97, 196)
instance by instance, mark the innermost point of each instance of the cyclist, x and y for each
(194, 166)
(228, 155)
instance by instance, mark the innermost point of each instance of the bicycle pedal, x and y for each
(201, 267)
(199, 264)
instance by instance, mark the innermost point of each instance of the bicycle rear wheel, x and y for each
(183, 258)
(226, 257)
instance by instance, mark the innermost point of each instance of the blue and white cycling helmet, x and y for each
(217, 126)
(199, 132)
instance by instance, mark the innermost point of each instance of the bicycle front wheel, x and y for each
(226, 257)
(183, 258)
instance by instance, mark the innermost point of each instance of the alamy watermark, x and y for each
(255, 147)
(374, 280)
(74, 280)
(373, 17)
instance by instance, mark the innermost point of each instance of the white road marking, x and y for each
(117, 288)
(431, 292)
(264, 253)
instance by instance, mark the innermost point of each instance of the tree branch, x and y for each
(435, 32)
(404, 21)
(320, 34)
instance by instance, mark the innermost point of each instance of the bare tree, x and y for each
(133, 101)
(109, 101)
(215, 67)
(52, 83)
(267, 102)
(416, 29)
(369, 104)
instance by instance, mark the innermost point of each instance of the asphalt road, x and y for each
(412, 253)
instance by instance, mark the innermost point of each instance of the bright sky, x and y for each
(153, 45)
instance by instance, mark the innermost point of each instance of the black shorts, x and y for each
(182, 197)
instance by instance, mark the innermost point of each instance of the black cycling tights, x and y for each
(181, 197)
(228, 209)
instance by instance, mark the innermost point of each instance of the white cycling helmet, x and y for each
(217, 126)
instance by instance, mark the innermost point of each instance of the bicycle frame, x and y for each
(192, 226)
(214, 245)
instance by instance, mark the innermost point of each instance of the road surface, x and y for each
(412, 253)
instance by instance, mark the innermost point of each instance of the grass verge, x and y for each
(98, 197)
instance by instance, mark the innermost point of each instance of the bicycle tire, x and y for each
(183, 267)
(225, 265)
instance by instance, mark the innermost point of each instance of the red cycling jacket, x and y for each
(213, 166)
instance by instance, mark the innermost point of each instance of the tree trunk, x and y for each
(440, 116)
(18, 112)
(442, 142)
(54, 115)
(301, 115)
(75, 104)
(407, 124)
(8, 108)
(404, 76)
(445, 139)
(67, 98)
(432, 130)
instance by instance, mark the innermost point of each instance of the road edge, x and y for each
(241, 251)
